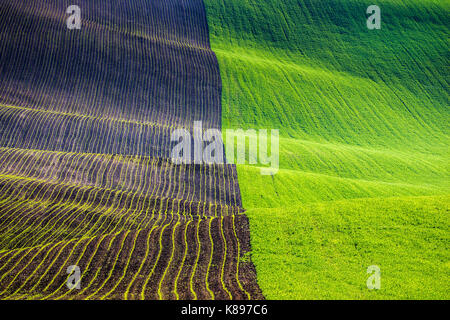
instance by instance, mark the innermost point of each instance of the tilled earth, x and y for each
(85, 172)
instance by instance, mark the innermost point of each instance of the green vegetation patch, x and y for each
(362, 114)
(323, 250)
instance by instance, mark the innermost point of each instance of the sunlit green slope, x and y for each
(323, 250)
(362, 114)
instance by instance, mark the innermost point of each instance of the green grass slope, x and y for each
(323, 250)
(362, 114)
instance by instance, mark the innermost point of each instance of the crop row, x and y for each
(46, 207)
(146, 176)
(169, 258)
(121, 65)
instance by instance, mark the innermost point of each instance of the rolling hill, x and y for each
(363, 118)
(87, 179)
(86, 175)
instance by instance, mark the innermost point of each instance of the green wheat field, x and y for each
(364, 145)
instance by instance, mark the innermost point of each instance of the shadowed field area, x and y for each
(86, 177)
